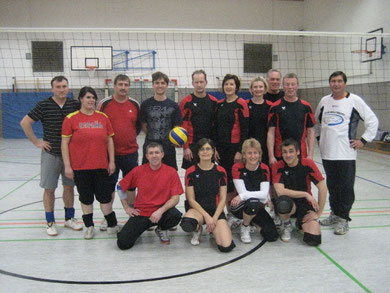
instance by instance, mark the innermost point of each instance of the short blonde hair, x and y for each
(259, 78)
(251, 143)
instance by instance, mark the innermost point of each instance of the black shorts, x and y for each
(210, 210)
(302, 207)
(124, 163)
(92, 183)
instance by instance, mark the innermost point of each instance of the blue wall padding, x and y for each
(246, 95)
(15, 106)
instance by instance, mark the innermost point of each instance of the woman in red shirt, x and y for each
(88, 153)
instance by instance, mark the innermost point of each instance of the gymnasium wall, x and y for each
(215, 14)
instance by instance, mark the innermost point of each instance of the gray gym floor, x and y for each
(31, 261)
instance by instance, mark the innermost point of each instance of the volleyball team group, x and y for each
(241, 157)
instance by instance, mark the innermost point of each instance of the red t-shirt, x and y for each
(155, 187)
(125, 120)
(88, 144)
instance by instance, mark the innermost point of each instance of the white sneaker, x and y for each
(329, 221)
(286, 231)
(113, 230)
(196, 236)
(73, 224)
(245, 234)
(51, 229)
(89, 233)
(103, 225)
(342, 226)
(233, 222)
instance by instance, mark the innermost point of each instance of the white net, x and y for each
(25, 66)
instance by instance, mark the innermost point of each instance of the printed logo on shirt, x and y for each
(197, 175)
(195, 104)
(130, 111)
(333, 118)
(286, 172)
(244, 173)
(283, 107)
(95, 124)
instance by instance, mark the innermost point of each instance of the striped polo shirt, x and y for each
(51, 116)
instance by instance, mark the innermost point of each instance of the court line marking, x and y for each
(343, 270)
(19, 187)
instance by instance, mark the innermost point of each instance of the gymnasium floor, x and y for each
(31, 261)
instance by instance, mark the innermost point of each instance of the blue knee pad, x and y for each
(284, 204)
(252, 206)
(311, 239)
(188, 224)
(228, 248)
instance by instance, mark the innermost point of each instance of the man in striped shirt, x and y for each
(51, 112)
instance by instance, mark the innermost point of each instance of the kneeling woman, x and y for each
(88, 153)
(206, 197)
(251, 179)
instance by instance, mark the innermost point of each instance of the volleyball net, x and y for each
(29, 58)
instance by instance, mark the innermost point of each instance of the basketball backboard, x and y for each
(98, 56)
(373, 45)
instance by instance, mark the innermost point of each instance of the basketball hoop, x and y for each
(369, 53)
(91, 70)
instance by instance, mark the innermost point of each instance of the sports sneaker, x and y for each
(150, 228)
(163, 235)
(73, 224)
(245, 234)
(51, 229)
(329, 221)
(278, 222)
(103, 225)
(173, 228)
(196, 236)
(89, 232)
(113, 230)
(342, 227)
(233, 222)
(286, 231)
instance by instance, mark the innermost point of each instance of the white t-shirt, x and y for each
(337, 122)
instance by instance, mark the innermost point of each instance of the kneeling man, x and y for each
(292, 179)
(158, 191)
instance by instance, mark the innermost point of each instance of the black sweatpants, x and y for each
(135, 226)
(340, 180)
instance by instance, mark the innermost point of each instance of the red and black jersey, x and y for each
(198, 115)
(258, 117)
(291, 120)
(252, 179)
(231, 122)
(206, 184)
(297, 178)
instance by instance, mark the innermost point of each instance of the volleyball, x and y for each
(178, 136)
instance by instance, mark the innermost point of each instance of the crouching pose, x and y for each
(292, 179)
(206, 197)
(158, 191)
(251, 180)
